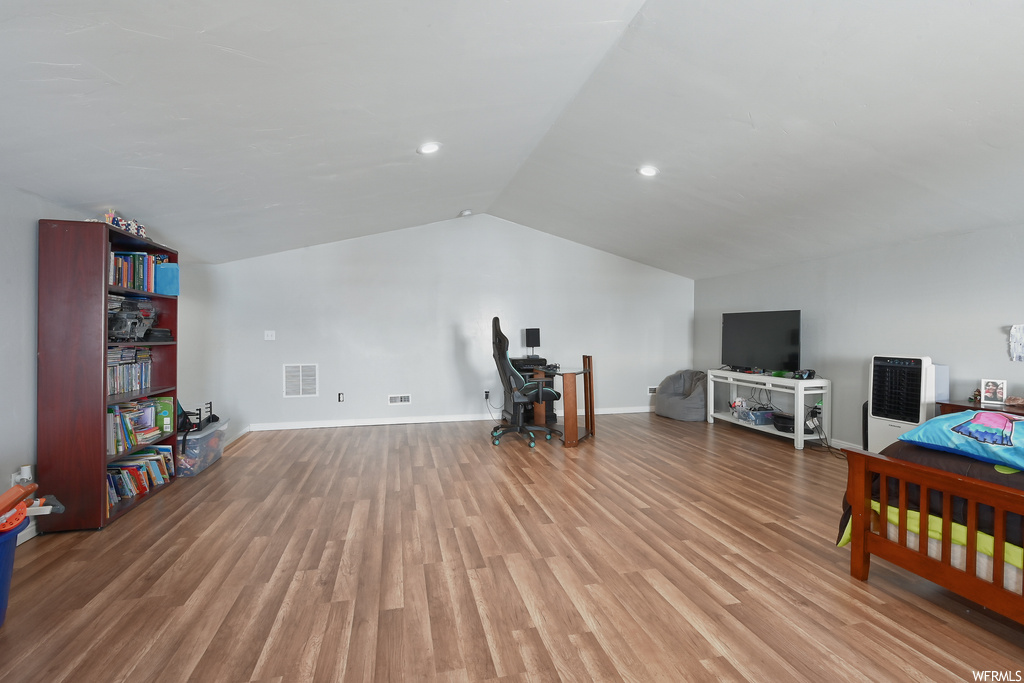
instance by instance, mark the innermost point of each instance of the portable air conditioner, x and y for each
(901, 395)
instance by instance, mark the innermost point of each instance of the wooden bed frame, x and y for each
(866, 542)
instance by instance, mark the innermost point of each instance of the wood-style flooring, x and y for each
(657, 551)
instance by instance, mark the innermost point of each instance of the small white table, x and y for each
(801, 389)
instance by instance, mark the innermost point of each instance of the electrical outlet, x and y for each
(341, 397)
(269, 335)
(487, 394)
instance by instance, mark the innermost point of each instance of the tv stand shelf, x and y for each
(800, 389)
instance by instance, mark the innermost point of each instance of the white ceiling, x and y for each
(784, 130)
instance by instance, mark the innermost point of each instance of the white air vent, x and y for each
(399, 399)
(300, 380)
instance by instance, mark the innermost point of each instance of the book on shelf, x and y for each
(124, 483)
(166, 414)
(158, 460)
(163, 456)
(117, 487)
(148, 471)
(136, 423)
(128, 480)
(112, 494)
(134, 269)
(139, 473)
(129, 368)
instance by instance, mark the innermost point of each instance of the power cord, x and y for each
(491, 408)
(761, 399)
(814, 412)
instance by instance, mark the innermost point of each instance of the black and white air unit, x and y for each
(901, 395)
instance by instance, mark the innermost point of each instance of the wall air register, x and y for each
(300, 380)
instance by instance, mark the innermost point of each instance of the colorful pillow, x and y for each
(980, 434)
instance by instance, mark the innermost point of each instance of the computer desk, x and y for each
(572, 434)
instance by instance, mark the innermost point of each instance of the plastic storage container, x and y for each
(202, 449)
(166, 279)
(755, 417)
(8, 542)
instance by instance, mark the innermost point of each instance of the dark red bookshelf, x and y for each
(72, 399)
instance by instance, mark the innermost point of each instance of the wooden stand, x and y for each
(572, 434)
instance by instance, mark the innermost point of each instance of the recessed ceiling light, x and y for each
(428, 148)
(648, 171)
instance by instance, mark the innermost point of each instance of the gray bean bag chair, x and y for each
(682, 396)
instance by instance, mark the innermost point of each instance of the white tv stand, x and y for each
(800, 389)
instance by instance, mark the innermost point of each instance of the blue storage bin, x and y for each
(8, 542)
(756, 417)
(166, 279)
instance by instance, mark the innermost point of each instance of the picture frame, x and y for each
(993, 390)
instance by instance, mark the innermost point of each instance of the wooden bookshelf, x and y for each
(72, 393)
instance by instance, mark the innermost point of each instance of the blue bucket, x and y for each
(8, 542)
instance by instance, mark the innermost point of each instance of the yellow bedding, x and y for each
(1012, 554)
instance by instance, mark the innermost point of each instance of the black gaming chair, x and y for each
(519, 392)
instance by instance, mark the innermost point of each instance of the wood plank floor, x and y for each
(658, 551)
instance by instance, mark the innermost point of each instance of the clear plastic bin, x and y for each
(755, 417)
(202, 449)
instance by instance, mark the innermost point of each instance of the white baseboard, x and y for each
(630, 409)
(29, 532)
(420, 419)
(363, 422)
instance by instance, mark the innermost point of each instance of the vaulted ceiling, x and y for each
(782, 130)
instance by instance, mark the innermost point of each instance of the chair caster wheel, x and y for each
(547, 437)
(532, 444)
(494, 432)
(497, 442)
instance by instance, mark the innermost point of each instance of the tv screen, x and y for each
(764, 340)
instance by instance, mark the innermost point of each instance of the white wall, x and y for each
(404, 312)
(19, 223)
(953, 299)
(197, 343)
(409, 312)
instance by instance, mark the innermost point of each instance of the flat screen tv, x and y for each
(763, 340)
